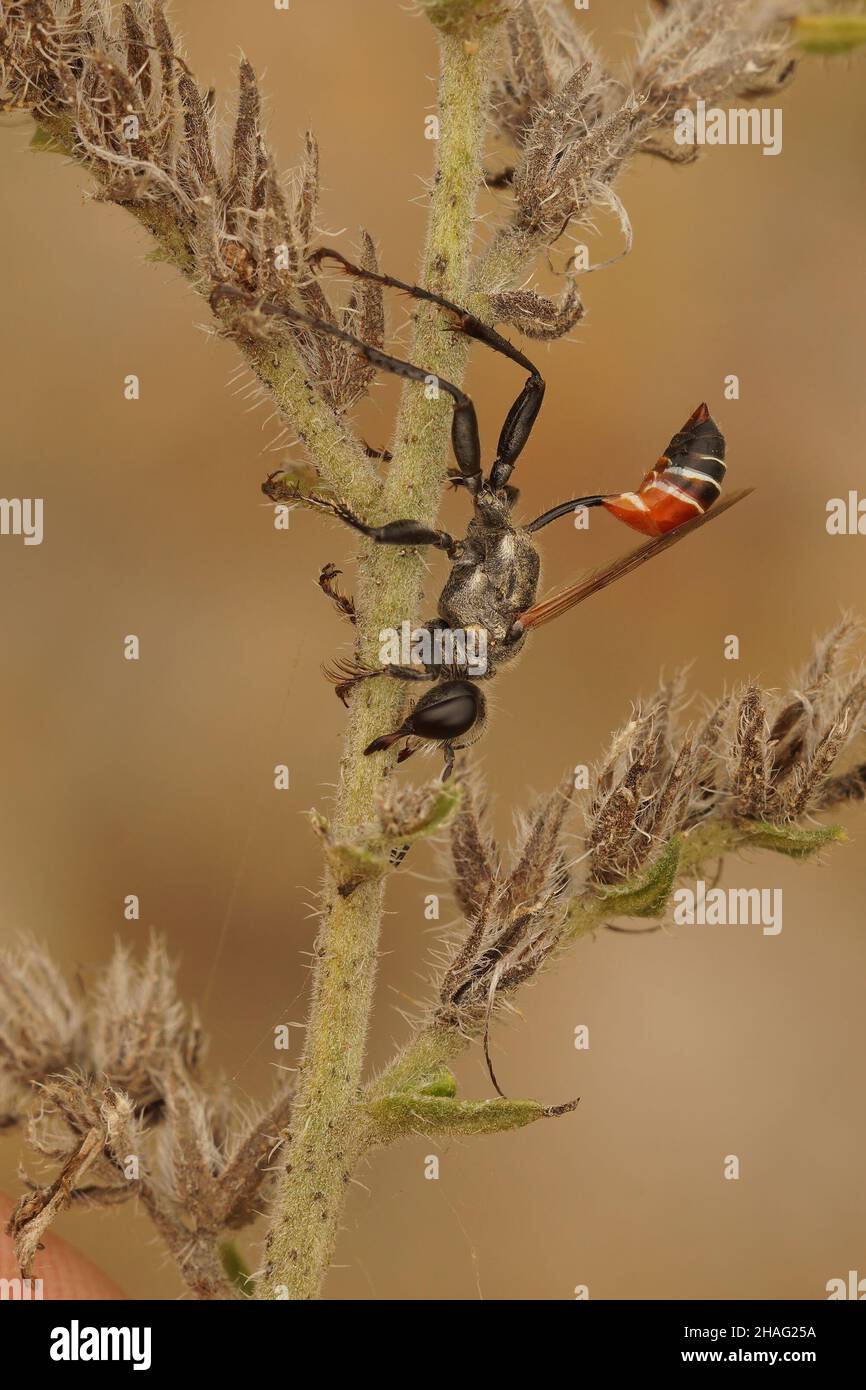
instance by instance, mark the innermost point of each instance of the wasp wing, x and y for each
(551, 608)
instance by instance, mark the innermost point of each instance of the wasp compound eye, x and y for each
(445, 712)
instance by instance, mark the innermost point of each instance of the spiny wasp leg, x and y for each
(523, 413)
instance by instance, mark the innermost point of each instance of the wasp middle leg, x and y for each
(464, 425)
(402, 532)
(346, 674)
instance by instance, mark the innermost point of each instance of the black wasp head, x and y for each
(447, 711)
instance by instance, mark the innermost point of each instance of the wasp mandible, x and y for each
(495, 567)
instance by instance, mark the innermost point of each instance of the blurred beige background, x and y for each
(155, 777)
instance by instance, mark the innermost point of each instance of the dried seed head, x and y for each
(758, 755)
(715, 50)
(42, 1025)
(119, 97)
(545, 47)
(750, 758)
(474, 855)
(71, 1106)
(141, 1030)
(173, 1139)
(576, 127)
(568, 161)
(747, 767)
(536, 316)
(514, 918)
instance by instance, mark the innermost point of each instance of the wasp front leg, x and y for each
(344, 603)
(346, 674)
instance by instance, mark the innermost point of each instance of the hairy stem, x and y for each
(196, 1255)
(327, 1132)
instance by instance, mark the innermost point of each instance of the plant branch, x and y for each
(81, 81)
(413, 1092)
(327, 1131)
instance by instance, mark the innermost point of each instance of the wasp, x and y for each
(491, 590)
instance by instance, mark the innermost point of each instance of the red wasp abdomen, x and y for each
(684, 483)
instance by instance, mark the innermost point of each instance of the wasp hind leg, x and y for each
(522, 415)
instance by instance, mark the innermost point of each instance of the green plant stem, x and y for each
(328, 1132)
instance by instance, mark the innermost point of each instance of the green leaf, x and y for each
(789, 839)
(294, 483)
(366, 856)
(360, 861)
(463, 19)
(397, 1115)
(444, 1083)
(440, 810)
(234, 1265)
(43, 143)
(830, 34)
(647, 895)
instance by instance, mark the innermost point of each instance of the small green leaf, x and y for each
(43, 143)
(436, 815)
(321, 825)
(358, 860)
(789, 839)
(294, 483)
(463, 19)
(830, 34)
(444, 1083)
(234, 1265)
(647, 895)
(397, 1115)
(367, 855)
(170, 248)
